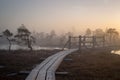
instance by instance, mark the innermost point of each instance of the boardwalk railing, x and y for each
(46, 70)
(85, 41)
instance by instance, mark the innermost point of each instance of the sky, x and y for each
(59, 15)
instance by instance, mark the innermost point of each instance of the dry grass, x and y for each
(87, 65)
(91, 65)
(16, 61)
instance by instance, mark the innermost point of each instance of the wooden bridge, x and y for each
(85, 41)
(46, 70)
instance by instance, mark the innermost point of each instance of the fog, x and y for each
(54, 21)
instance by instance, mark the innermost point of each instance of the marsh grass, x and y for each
(91, 65)
(21, 60)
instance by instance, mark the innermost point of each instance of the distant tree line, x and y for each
(51, 39)
(111, 35)
(24, 37)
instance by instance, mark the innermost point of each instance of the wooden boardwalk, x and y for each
(46, 70)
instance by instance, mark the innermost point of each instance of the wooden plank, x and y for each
(67, 59)
(61, 73)
(54, 67)
(35, 71)
(42, 72)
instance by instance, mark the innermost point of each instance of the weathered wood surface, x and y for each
(46, 70)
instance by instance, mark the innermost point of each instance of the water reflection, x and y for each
(17, 47)
(115, 52)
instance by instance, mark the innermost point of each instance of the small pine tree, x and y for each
(88, 32)
(8, 36)
(24, 36)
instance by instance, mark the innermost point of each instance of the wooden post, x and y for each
(94, 41)
(84, 39)
(79, 43)
(69, 42)
(103, 41)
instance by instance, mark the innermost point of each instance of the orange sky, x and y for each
(60, 15)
